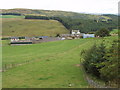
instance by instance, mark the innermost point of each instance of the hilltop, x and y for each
(73, 15)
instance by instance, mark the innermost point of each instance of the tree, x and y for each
(92, 59)
(102, 32)
(103, 62)
(110, 71)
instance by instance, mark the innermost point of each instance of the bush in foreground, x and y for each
(103, 62)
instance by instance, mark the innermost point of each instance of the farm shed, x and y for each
(14, 39)
(39, 37)
(21, 42)
(88, 35)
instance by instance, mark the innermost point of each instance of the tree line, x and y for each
(83, 25)
(18, 14)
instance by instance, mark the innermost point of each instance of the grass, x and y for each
(11, 16)
(114, 31)
(53, 64)
(23, 27)
(5, 42)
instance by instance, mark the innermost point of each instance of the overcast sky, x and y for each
(86, 6)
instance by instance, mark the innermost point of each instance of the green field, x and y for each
(11, 16)
(23, 27)
(5, 42)
(114, 31)
(51, 64)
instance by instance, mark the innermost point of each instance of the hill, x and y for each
(22, 27)
(72, 20)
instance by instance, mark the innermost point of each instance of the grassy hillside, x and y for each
(22, 27)
(46, 65)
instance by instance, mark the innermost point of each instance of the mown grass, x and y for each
(11, 16)
(23, 27)
(53, 64)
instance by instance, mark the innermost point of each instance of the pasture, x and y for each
(23, 27)
(47, 65)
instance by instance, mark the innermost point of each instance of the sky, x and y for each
(84, 6)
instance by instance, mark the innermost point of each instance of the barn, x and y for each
(88, 35)
(20, 41)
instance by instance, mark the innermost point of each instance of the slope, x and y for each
(22, 27)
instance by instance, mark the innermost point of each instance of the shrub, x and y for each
(93, 57)
(102, 32)
(103, 62)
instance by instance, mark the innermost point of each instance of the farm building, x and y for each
(74, 35)
(39, 37)
(42, 37)
(20, 40)
(75, 32)
(88, 35)
(33, 40)
(21, 43)
(14, 39)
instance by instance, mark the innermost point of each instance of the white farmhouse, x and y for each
(75, 32)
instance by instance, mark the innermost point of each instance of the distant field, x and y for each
(23, 27)
(51, 64)
(11, 16)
